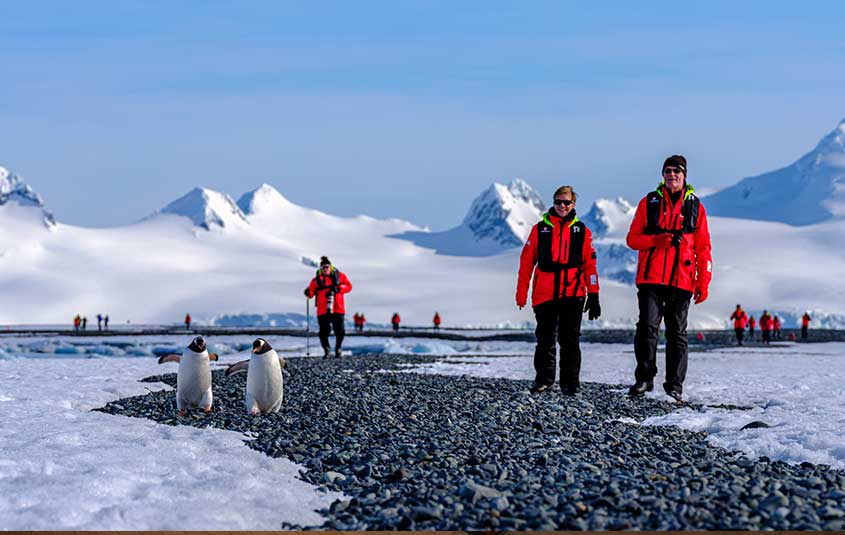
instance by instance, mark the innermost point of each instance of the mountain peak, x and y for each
(505, 214)
(13, 189)
(815, 182)
(262, 198)
(609, 216)
(207, 208)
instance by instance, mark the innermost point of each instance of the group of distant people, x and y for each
(770, 326)
(80, 323)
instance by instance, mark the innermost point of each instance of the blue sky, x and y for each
(111, 110)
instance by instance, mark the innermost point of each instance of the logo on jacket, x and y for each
(545, 229)
(654, 199)
(576, 229)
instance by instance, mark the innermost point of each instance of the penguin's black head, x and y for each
(260, 346)
(197, 345)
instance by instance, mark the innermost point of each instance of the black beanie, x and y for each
(676, 160)
(324, 261)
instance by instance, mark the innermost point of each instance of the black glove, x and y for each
(307, 292)
(593, 308)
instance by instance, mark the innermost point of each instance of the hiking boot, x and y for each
(325, 352)
(337, 353)
(639, 388)
(569, 390)
(536, 388)
(675, 393)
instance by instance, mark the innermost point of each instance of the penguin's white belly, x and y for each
(264, 383)
(193, 381)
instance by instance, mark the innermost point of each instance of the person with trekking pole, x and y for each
(328, 287)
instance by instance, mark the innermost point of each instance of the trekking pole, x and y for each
(307, 327)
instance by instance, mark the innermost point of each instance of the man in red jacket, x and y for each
(329, 287)
(740, 319)
(559, 253)
(670, 233)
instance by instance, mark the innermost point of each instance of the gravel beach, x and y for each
(415, 451)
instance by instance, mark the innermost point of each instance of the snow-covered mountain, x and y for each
(811, 190)
(206, 208)
(205, 255)
(14, 191)
(499, 219)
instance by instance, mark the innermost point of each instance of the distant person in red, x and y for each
(395, 322)
(740, 319)
(362, 319)
(674, 265)
(356, 321)
(329, 286)
(776, 327)
(805, 325)
(436, 321)
(751, 324)
(77, 321)
(187, 321)
(766, 327)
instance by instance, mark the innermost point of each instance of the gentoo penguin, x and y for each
(193, 380)
(264, 378)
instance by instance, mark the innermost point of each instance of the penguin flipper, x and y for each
(238, 367)
(213, 356)
(173, 357)
(283, 363)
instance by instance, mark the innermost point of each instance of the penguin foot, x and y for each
(183, 413)
(207, 409)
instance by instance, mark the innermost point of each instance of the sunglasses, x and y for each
(565, 202)
(675, 170)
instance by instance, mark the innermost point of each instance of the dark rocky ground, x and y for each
(435, 452)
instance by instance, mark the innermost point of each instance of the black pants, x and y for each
(562, 320)
(670, 305)
(328, 322)
(739, 334)
(767, 336)
(803, 332)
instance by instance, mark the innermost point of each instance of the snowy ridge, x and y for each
(815, 185)
(14, 190)
(499, 219)
(207, 208)
(609, 218)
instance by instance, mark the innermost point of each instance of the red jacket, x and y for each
(752, 322)
(320, 286)
(776, 323)
(766, 322)
(395, 319)
(574, 281)
(739, 318)
(437, 319)
(805, 320)
(655, 266)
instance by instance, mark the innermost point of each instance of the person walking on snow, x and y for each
(805, 325)
(560, 259)
(106, 322)
(77, 321)
(84, 322)
(362, 319)
(329, 286)
(766, 327)
(740, 319)
(776, 328)
(436, 321)
(751, 324)
(394, 320)
(187, 321)
(674, 265)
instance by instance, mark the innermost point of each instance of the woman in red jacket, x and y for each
(674, 265)
(559, 253)
(329, 287)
